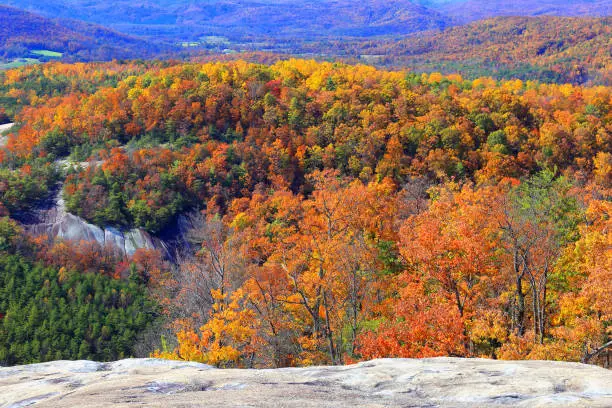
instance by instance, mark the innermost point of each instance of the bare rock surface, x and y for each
(55, 222)
(51, 219)
(6, 127)
(3, 130)
(72, 228)
(438, 382)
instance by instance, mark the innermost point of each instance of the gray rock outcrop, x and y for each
(438, 382)
(55, 222)
(4, 129)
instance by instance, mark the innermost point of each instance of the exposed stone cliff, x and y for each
(55, 222)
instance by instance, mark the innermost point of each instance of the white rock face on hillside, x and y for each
(56, 223)
(439, 382)
(4, 129)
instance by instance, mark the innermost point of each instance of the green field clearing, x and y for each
(20, 62)
(47, 53)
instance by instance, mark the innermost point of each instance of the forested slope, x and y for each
(396, 35)
(182, 19)
(53, 312)
(551, 49)
(477, 9)
(23, 32)
(338, 212)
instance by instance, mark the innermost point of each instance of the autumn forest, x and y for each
(334, 213)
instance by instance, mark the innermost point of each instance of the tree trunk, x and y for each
(536, 313)
(589, 356)
(543, 313)
(328, 332)
(520, 312)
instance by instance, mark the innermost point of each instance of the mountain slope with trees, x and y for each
(551, 49)
(175, 18)
(236, 18)
(471, 10)
(23, 32)
(395, 35)
(336, 213)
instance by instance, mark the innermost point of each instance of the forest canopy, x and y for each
(337, 212)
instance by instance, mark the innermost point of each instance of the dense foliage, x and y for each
(229, 128)
(354, 271)
(547, 49)
(53, 313)
(339, 212)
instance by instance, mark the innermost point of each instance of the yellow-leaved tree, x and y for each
(227, 339)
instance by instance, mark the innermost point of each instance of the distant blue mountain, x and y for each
(22, 32)
(470, 10)
(104, 29)
(288, 18)
(297, 18)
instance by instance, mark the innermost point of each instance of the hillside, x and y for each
(551, 49)
(471, 10)
(28, 35)
(441, 382)
(399, 34)
(238, 18)
(548, 49)
(335, 213)
(188, 20)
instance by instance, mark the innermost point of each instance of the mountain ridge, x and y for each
(23, 31)
(185, 18)
(471, 10)
(250, 17)
(546, 48)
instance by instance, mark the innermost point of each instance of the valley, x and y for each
(421, 36)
